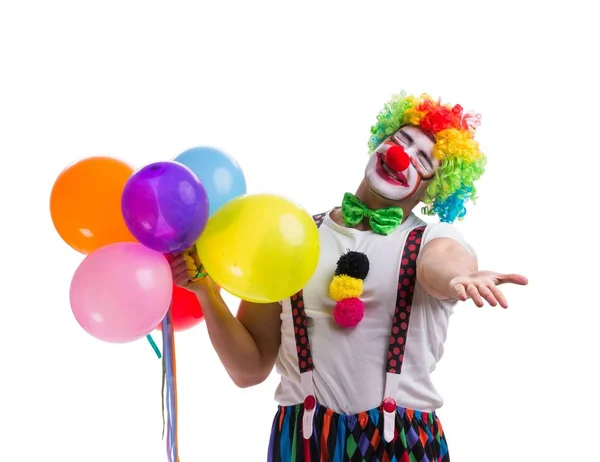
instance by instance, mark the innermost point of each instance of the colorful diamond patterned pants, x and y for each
(357, 438)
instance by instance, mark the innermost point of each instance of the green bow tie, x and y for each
(382, 221)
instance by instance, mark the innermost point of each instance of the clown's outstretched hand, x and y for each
(483, 285)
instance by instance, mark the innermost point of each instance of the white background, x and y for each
(290, 90)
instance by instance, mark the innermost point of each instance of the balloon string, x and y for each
(171, 387)
(170, 448)
(176, 413)
(162, 392)
(153, 345)
(165, 388)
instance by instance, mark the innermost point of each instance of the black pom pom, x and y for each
(353, 264)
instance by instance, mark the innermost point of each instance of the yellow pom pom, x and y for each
(344, 286)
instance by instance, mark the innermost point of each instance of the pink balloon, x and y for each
(121, 292)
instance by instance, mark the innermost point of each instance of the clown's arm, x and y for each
(247, 344)
(448, 271)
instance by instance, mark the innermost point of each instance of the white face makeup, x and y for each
(396, 185)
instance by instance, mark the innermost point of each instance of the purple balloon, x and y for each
(165, 206)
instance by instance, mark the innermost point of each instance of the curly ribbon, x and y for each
(170, 387)
(153, 345)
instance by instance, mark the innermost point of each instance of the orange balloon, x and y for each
(85, 203)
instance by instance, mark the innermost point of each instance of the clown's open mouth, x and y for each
(397, 177)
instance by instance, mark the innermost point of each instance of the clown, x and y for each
(356, 347)
(440, 149)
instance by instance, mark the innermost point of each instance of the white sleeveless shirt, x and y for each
(350, 364)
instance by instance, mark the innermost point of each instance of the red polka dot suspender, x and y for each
(406, 289)
(300, 326)
(399, 330)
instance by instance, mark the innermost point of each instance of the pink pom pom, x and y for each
(348, 312)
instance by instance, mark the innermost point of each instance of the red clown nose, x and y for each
(396, 157)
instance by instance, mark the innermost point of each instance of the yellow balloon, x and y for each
(261, 247)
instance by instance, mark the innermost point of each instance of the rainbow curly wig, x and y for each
(461, 161)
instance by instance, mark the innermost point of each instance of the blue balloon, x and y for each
(219, 173)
